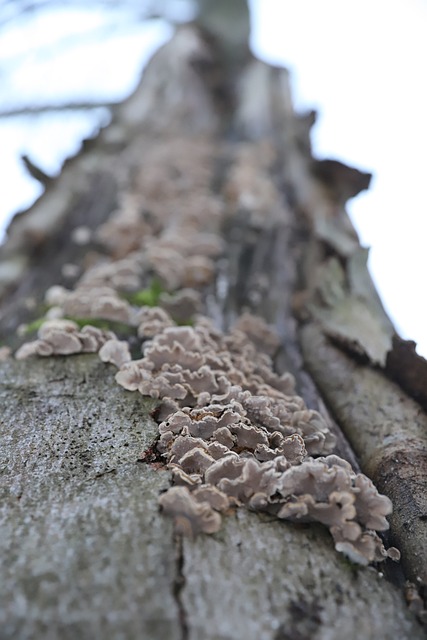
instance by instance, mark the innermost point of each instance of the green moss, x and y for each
(146, 297)
(184, 323)
(35, 325)
(350, 566)
(107, 325)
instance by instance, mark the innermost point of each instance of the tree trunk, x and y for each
(86, 551)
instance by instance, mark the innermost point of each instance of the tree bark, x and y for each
(86, 551)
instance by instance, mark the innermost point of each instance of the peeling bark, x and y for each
(388, 431)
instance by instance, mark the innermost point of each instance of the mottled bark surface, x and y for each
(85, 551)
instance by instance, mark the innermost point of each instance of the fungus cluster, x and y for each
(235, 433)
(5, 353)
(172, 240)
(231, 430)
(63, 337)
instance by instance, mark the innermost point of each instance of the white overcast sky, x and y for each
(361, 63)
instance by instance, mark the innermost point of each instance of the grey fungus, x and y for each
(5, 353)
(312, 427)
(176, 354)
(167, 264)
(92, 338)
(196, 461)
(181, 305)
(98, 302)
(167, 408)
(34, 348)
(92, 298)
(216, 498)
(121, 275)
(175, 423)
(193, 366)
(393, 554)
(151, 321)
(56, 295)
(116, 352)
(127, 228)
(315, 478)
(70, 270)
(371, 507)
(130, 375)
(253, 447)
(190, 480)
(50, 326)
(367, 548)
(165, 384)
(218, 450)
(186, 337)
(255, 450)
(224, 437)
(183, 258)
(198, 271)
(63, 337)
(54, 313)
(190, 516)
(291, 447)
(247, 436)
(337, 511)
(263, 337)
(81, 235)
(183, 445)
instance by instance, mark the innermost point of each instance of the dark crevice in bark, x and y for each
(393, 571)
(305, 620)
(408, 369)
(217, 79)
(179, 585)
(221, 166)
(309, 392)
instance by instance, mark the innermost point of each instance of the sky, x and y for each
(360, 63)
(363, 65)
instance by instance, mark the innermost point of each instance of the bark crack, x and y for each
(179, 585)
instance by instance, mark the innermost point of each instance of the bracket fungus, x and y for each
(98, 302)
(5, 353)
(152, 320)
(182, 304)
(191, 516)
(230, 425)
(63, 337)
(115, 351)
